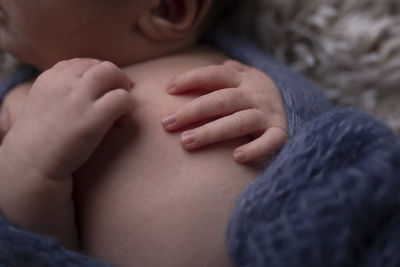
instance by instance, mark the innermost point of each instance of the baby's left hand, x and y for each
(246, 102)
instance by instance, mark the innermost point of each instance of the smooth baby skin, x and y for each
(181, 218)
(141, 199)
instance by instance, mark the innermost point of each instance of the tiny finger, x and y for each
(78, 65)
(208, 78)
(112, 106)
(236, 65)
(103, 77)
(271, 141)
(218, 103)
(238, 124)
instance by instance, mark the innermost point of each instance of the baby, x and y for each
(81, 131)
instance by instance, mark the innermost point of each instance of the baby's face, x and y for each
(42, 32)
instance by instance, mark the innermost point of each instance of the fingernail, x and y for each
(189, 138)
(239, 156)
(172, 90)
(171, 87)
(169, 121)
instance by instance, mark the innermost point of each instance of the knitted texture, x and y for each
(331, 198)
(19, 248)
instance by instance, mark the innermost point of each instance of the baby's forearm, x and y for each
(34, 202)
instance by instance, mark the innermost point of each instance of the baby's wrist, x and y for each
(37, 203)
(29, 157)
(22, 186)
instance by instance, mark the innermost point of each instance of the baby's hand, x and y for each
(68, 111)
(246, 101)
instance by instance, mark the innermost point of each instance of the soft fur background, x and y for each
(350, 48)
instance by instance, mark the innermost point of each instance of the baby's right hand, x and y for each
(69, 110)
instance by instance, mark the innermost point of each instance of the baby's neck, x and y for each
(185, 57)
(124, 54)
(176, 63)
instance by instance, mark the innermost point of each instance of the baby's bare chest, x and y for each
(141, 189)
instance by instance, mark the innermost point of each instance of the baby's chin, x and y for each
(27, 56)
(24, 52)
(19, 57)
(35, 62)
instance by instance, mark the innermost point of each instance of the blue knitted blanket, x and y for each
(330, 198)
